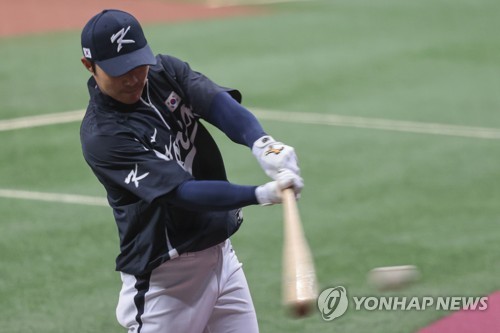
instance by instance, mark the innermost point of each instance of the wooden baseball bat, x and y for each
(300, 287)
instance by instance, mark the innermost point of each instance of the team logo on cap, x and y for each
(118, 37)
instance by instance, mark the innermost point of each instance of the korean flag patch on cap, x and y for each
(173, 101)
(87, 53)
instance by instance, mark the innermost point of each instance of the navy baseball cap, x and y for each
(114, 40)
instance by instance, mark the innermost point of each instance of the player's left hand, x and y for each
(270, 193)
(273, 156)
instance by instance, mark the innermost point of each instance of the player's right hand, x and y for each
(274, 156)
(270, 193)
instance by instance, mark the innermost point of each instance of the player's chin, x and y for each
(131, 98)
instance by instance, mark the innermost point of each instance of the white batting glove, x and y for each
(273, 156)
(270, 193)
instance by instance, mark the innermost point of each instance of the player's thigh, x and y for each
(234, 310)
(180, 297)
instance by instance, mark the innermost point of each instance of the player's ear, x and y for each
(88, 64)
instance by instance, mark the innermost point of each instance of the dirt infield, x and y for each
(22, 17)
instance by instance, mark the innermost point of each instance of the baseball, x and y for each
(393, 277)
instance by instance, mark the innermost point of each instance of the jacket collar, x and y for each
(108, 102)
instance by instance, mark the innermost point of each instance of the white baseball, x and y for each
(393, 277)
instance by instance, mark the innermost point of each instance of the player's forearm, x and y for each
(203, 195)
(239, 124)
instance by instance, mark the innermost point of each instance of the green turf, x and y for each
(372, 198)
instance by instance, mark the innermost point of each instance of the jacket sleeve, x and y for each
(123, 162)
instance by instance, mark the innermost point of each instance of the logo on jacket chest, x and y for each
(177, 144)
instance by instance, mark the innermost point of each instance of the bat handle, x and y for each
(288, 197)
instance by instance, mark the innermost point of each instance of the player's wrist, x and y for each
(267, 194)
(261, 143)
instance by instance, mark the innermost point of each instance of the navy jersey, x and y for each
(142, 152)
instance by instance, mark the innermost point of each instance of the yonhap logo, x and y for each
(332, 303)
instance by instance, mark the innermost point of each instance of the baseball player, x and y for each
(165, 180)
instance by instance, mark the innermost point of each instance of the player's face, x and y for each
(126, 88)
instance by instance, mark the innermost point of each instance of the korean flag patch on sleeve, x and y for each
(173, 101)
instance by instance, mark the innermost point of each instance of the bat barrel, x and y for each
(300, 289)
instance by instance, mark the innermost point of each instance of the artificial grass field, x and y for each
(372, 198)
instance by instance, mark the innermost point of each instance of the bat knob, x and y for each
(301, 309)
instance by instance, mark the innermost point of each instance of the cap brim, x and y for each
(122, 64)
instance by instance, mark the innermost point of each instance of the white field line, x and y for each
(294, 117)
(380, 124)
(54, 197)
(46, 119)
